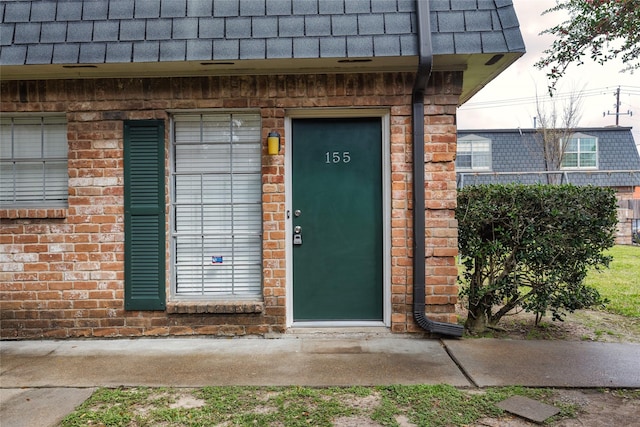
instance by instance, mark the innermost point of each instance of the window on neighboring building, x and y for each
(217, 211)
(581, 152)
(33, 162)
(473, 153)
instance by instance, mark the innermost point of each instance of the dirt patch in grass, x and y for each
(403, 406)
(187, 401)
(582, 325)
(598, 408)
(363, 403)
(592, 408)
(355, 421)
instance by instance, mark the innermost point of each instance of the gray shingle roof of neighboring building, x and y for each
(518, 151)
(90, 32)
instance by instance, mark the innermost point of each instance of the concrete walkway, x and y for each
(42, 381)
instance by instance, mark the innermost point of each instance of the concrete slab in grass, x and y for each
(528, 408)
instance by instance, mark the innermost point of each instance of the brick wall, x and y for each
(62, 270)
(628, 210)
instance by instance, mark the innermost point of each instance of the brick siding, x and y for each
(62, 270)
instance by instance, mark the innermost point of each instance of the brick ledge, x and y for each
(228, 307)
(20, 213)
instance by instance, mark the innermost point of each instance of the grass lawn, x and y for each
(422, 405)
(620, 283)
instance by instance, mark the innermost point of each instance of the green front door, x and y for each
(337, 219)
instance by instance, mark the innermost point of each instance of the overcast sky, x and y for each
(508, 102)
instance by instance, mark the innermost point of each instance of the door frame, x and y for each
(329, 113)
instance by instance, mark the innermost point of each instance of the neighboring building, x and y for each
(605, 157)
(140, 195)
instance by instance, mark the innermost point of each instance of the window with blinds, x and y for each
(217, 215)
(33, 161)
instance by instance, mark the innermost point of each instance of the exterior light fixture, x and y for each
(273, 143)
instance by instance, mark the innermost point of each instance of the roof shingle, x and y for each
(27, 33)
(66, 53)
(42, 11)
(279, 48)
(95, 10)
(173, 50)
(146, 9)
(185, 28)
(199, 8)
(92, 53)
(119, 52)
(17, 12)
(307, 47)
(146, 51)
(210, 28)
(252, 7)
(317, 25)
(40, 54)
(226, 8)
(173, 8)
(309, 28)
(252, 49)
(199, 50)
(519, 151)
(157, 29)
(80, 31)
(6, 34)
(121, 9)
(305, 7)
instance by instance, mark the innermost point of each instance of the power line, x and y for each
(632, 90)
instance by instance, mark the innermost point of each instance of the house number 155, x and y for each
(337, 157)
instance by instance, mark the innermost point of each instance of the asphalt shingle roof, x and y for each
(517, 150)
(94, 32)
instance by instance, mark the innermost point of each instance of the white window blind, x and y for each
(217, 216)
(33, 161)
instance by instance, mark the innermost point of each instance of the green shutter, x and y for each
(144, 215)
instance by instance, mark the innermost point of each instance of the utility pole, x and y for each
(617, 113)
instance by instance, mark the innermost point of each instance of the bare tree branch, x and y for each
(556, 126)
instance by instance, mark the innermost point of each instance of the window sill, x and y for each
(229, 307)
(19, 213)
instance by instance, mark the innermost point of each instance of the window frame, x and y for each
(578, 137)
(475, 153)
(257, 288)
(50, 197)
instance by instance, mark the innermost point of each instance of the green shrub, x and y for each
(530, 246)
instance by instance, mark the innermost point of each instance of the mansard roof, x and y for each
(520, 151)
(58, 38)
